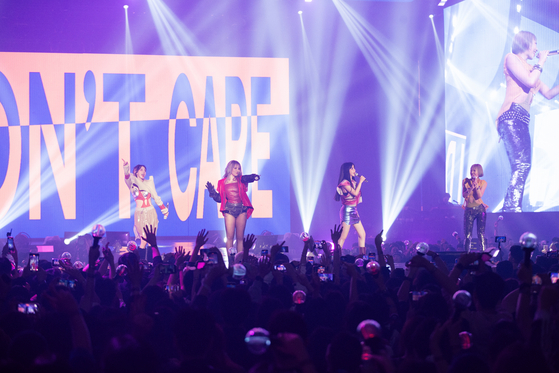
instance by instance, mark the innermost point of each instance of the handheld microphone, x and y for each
(550, 53)
(357, 176)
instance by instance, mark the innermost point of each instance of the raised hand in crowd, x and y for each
(248, 243)
(201, 239)
(335, 234)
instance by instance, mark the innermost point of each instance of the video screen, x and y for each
(69, 122)
(477, 37)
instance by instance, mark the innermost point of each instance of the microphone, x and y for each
(550, 53)
(357, 176)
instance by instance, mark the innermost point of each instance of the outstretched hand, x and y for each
(150, 235)
(210, 187)
(275, 249)
(379, 239)
(336, 233)
(248, 242)
(202, 238)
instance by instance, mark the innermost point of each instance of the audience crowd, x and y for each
(188, 312)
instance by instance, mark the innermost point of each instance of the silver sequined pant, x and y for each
(478, 215)
(513, 128)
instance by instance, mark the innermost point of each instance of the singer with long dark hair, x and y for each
(235, 204)
(474, 208)
(349, 192)
(523, 82)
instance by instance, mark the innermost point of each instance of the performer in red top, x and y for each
(143, 191)
(349, 192)
(235, 204)
(523, 82)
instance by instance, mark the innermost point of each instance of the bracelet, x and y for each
(538, 67)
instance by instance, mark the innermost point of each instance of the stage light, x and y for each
(125, 7)
(402, 157)
(300, 12)
(518, 8)
(308, 1)
(442, 3)
(175, 38)
(431, 16)
(516, 30)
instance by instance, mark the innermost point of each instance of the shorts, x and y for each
(235, 209)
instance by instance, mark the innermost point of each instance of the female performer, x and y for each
(523, 82)
(475, 209)
(143, 191)
(235, 204)
(349, 192)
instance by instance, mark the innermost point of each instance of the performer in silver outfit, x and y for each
(474, 208)
(349, 192)
(523, 82)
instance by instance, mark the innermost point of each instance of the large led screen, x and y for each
(478, 35)
(68, 121)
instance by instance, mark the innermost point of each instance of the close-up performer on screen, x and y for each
(143, 191)
(235, 204)
(523, 82)
(349, 192)
(474, 208)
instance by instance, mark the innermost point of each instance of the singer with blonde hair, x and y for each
(349, 192)
(234, 202)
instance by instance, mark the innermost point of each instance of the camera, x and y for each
(372, 256)
(212, 258)
(554, 277)
(321, 245)
(284, 249)
(280, 267)
(325, 276)
(70, 284)
(28, 308)
(34, 262)
(501, 239)
(264, 252)
(11, 243)
(55, 262)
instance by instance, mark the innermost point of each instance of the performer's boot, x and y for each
(363, 251)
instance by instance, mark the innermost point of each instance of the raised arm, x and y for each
(380, 253)
(347, 186)
(152, 240)
(213, 193)
(127, 176)
(517, 68)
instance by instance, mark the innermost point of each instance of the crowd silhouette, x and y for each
(188, 312)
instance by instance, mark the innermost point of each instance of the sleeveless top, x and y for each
(232, 193)
(515, 88)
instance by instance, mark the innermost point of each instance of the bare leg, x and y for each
(240, 224)
(229, 230)
(345, 232)
(362, 235)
